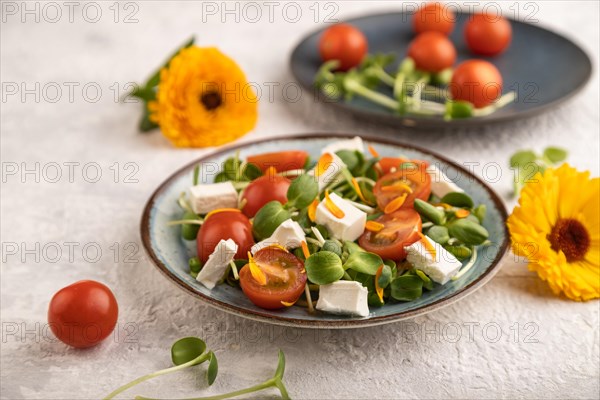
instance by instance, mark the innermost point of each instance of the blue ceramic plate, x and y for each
(170, 253)
(543, 67)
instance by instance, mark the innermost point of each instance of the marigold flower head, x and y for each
(557, 227)
(203, 99)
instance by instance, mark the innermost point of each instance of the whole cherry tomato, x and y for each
(223, 225)
(83, 314)
(393, 185)
(432, 51)
(434, 17)
(263, 190)
(345, 43)
(488, 34)
(476, 81)
(281, 161)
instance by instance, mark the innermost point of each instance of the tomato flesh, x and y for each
(281, 161)
(263, 190)
(488, 34)
(222, 226)
(83, 314)
(432, 51)
(416, 178)
(285, 275)
(434, 17)
(345, 43)
(401, 229)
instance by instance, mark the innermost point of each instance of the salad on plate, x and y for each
(340, 234)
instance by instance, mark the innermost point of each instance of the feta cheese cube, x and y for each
(440, 269)
(205, 198)
(353, 144)
(348, 228)
(216, 265)
(344, 297)
(331, 174)
(441, 185)
(289, 235)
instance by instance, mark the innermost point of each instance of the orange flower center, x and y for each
(571, 237)
(211, 100)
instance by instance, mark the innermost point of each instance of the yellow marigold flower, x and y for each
(557, 227)
(203, 99)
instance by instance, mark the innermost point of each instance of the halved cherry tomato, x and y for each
(345, 43)
(391, 186)
(83, 314)
(487, 34)
(400, 229)
(432, 51)
(434, 17)
(222, 226)
(476, 81)
(387, 163)
(281, 161)
(285, 279)
(263, 190)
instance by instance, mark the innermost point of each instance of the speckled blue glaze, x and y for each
(170, 252)
(544, 68)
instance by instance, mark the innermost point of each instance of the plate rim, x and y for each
(325, 324)
(422, 123)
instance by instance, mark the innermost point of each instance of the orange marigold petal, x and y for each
(395, 204)
(428, 246)
(374, 226)
(287, 303)
(332, 207)
(323, 164)
(373, 152)
(220, 210)
(258, 275)
(305, 250)
(312, 210)
(398, 186)
(378, 288)
(462, 213)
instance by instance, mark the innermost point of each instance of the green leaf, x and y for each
(468, 232)
(458, 199)
(186, 349)
(480, 212)
(407, 288)
(362, 261)
(555, 154)
(195, 264)
(302, 191)
(386, 276)
(458, 109)
(349, 157)
(280, 365)
(430, 212)
(374, 300)
(189, 231)
(155, 78)
(521, 158)
(251, 172)
(221, 177)
(427, 282)
(268, 218)
(324, 267)
(438, 234)
(333, 246)
(461, 252)
(351, 247)
(145, 124)
(213, 369)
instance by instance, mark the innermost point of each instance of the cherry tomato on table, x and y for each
(345, 43)
(395, 184)
(432, 52)
(263, 190)
(83, 314)
(223, 225)
(400, 229)
(434, 17)
(285, 279)
(281, 161)
(476, 81)
(488, 34)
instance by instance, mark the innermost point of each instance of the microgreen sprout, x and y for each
(275, 382)
(527, 164)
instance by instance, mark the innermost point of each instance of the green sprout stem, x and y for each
(353, 86)
(185, 222)
(501, 102)
(273, 382)
(198, 360)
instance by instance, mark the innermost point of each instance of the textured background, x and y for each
(510, 339)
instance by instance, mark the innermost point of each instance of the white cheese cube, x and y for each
(331, 174)
(354, 144)
(344, 297)
(441, 185)
(205, 198)
(289, 235)
(348, 228)
(216, 265)
(441, 269)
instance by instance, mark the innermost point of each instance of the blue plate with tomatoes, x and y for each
(170, 253)
(541, 67)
